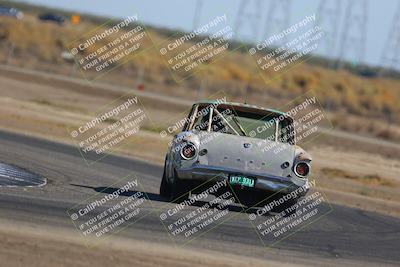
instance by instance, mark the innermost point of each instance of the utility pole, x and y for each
(10, 53)
(248, 20)
(201, 89)
(139, 79)
(354, 34)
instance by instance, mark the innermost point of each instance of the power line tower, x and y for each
(278, 18)
(248, 20)
(197, 13)
(328, 17)
(391, 53)
(354, 33)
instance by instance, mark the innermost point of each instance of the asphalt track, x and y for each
(345, 233)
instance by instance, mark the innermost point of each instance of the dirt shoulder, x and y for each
(24, 244)
(355, 172)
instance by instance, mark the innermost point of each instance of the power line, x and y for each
(354, 32)
(248, 20)
(391, 53)
(197, 13)
(328, 16)
(278, 18)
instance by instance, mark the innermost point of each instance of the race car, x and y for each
(253, 149)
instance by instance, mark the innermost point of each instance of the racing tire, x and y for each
(165, 187)
(179, 189)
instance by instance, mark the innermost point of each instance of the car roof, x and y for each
(249, 107)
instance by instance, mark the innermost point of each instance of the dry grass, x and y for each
(47, 108)
(39, 45)
(370, 179)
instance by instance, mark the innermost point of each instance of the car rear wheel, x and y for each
(179, 189)
(165, 187)
(173, 191)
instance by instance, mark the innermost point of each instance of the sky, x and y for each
(179, 14)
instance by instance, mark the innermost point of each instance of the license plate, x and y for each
(241, 180)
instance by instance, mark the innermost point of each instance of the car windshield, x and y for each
(229, 120)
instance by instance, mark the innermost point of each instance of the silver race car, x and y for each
(251, 148)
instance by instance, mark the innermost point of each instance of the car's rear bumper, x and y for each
(263, 181)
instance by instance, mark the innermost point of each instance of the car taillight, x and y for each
(188, 151)
(302, 169)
